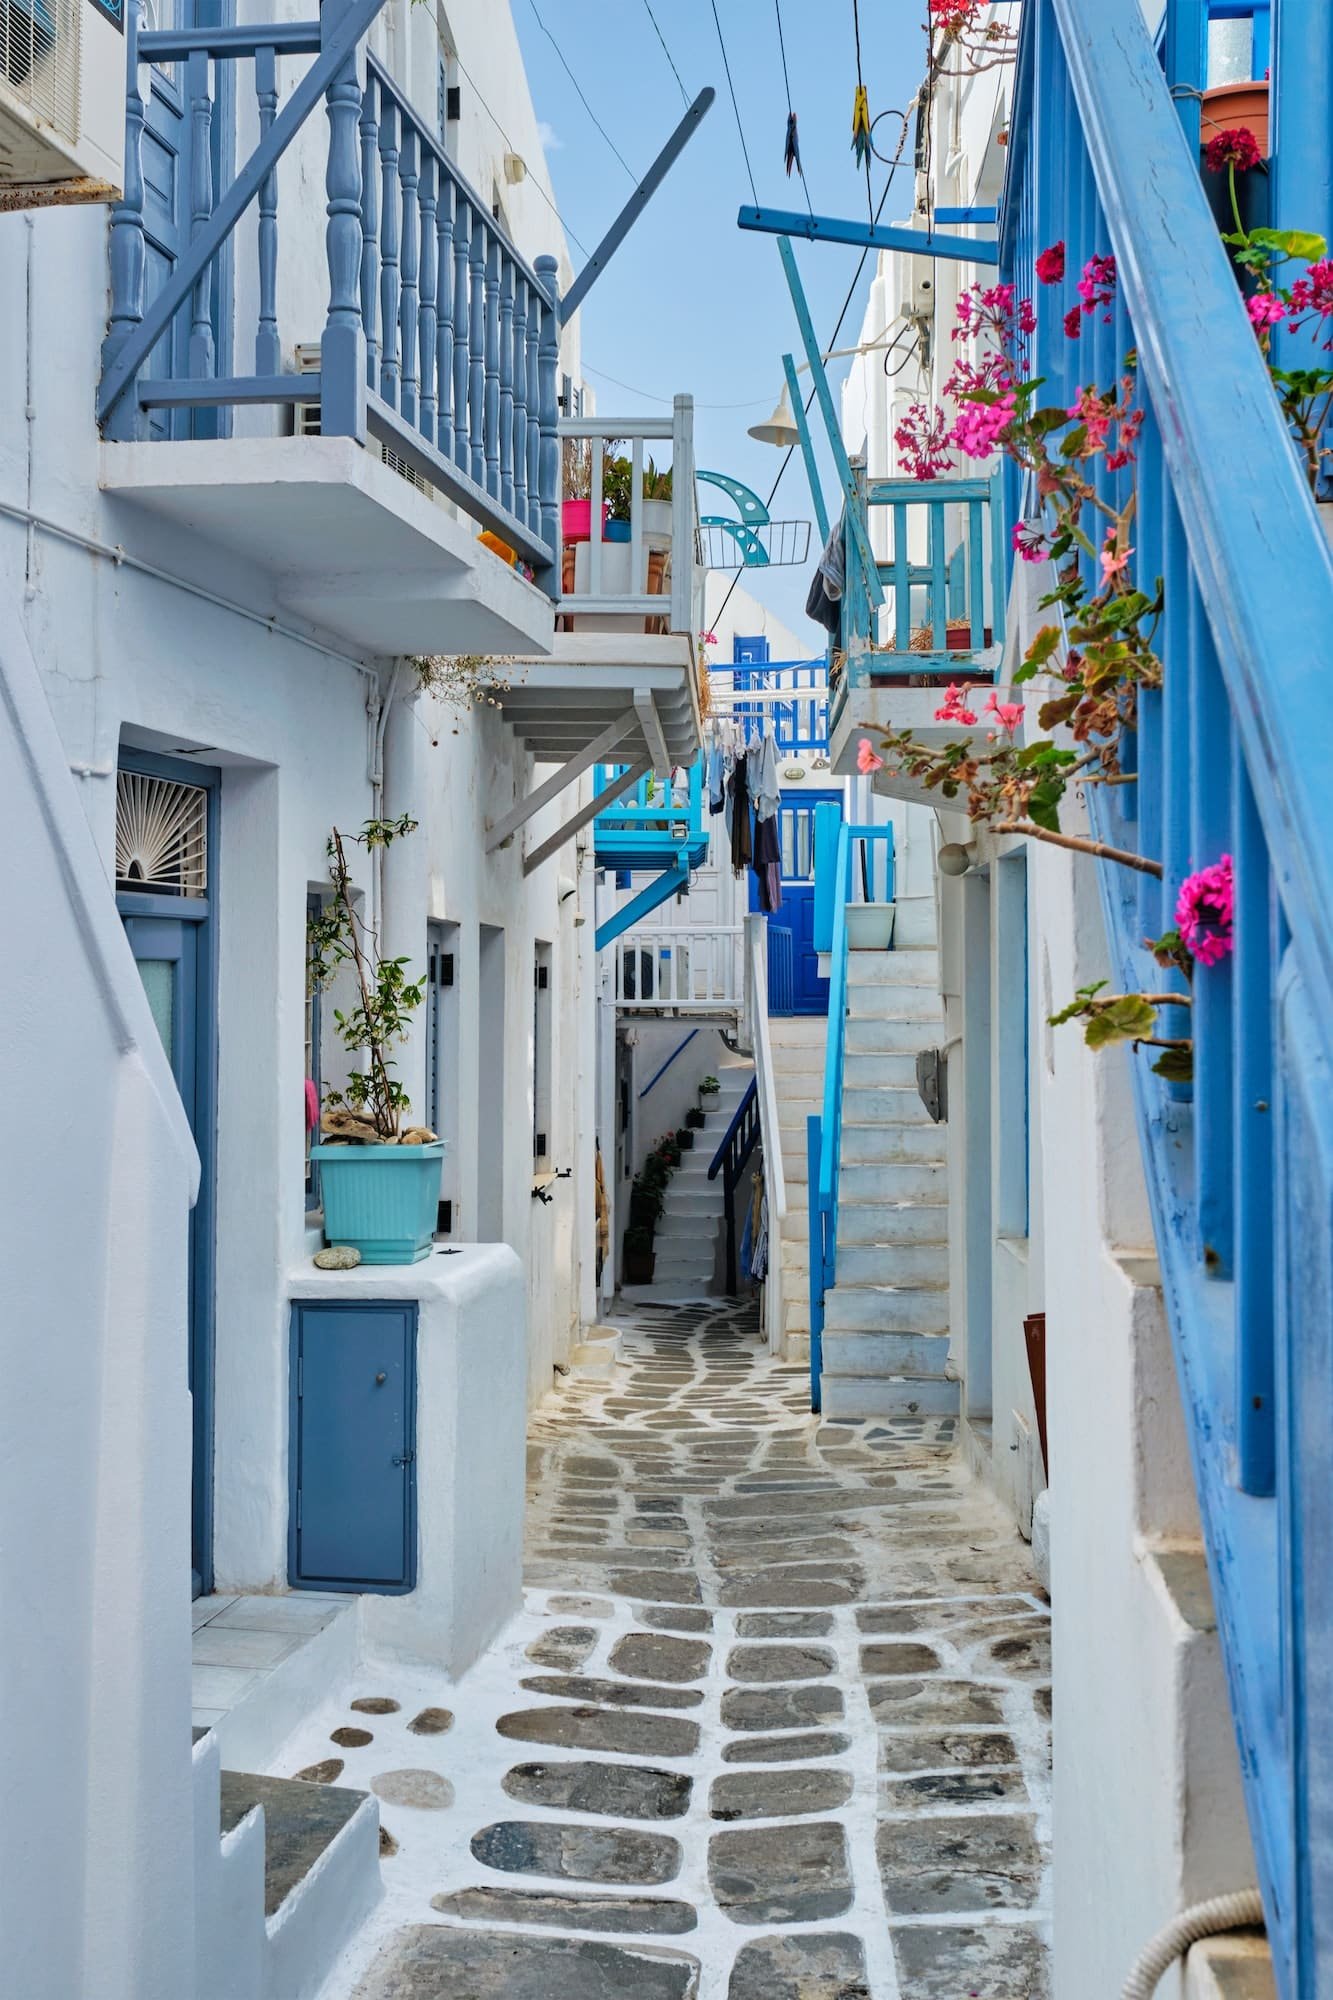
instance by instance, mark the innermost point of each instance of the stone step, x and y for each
(891, 1263)
(697, 1198)
(686, 1224)
(879, 1035)
(893, 1180)
(880, 1069)
(890, 1104)
(851, 1308)
(880, 1001)
(914, 922)
(919, 1355)
(866, 1145)
(321, 1871)
(795, 1031)
(887, 1396)
(917, 967)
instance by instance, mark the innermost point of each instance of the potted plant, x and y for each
(646, 1201)
(380, 1181)
(1229, 105)
(685, 1138)
(709, 1090)
(695, 1120)
(617, 486)
(657, 507)
(576, 486)
(640, 1261)
(668, 1152)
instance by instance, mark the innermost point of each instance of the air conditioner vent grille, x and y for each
(161, 834)
(39, 60)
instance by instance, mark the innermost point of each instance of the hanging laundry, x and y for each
(716, 777)
(824, 600)
(791, 152)
(861, 125)
(759, 1249)
(768, 863)
(765, 785)
(738, 792)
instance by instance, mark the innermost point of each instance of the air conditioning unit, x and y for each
(305, 421)
(914, 283)
(62, 102)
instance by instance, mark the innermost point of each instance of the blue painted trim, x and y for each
(324, 1307)
(657, 1075)
(865, 235)
(813, 1145)
(738, 1117)
(807, 447)
(986, 216)
(201, 911)
(636, 204)
(748, 504)
(668, 883)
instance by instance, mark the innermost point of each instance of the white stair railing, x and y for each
(683, 969)
(770, 1126)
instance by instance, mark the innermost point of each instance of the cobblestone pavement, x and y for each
(774, 1724)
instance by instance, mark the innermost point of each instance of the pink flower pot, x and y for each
(576, 519)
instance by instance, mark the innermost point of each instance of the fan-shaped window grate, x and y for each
(161, 835)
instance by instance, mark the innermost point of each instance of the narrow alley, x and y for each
(775, 1681)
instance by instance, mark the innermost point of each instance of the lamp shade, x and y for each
(780, 428)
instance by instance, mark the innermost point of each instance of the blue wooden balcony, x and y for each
(651, 827)
(926, 612)
(1231, 756)
(433, 342)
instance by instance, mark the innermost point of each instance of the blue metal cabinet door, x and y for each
(796, 836)
(354, 1433)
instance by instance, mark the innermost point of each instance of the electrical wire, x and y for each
(759, 402)
(856, 28)
(833, 341)
(685, 95)
(581, 94)
(721, 42)
(454, 56)
(782, 47)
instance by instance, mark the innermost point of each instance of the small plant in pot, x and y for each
(685, 1138)
(668, 1151)
(380, 1176)
(695, 1120)
(640, 1260)
(709, 1092)
(646, 1201)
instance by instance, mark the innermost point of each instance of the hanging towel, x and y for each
(739, 792)
(765, 785)
(768, 863)
(716, 778)
(824, 601)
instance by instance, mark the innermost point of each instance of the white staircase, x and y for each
(798, 1042)
(886, 1320)
(686, 1240)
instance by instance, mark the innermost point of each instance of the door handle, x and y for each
(380, 1380)
(403, 1458)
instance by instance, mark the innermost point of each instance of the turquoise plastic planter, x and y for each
(382, 1200)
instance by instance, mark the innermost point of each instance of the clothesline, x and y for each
(743, 783)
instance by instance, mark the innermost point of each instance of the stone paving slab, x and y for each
(771, 1676)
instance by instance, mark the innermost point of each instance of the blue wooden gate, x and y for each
(353, 1446)
(796, 838)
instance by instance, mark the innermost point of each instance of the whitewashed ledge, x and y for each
(470, 1446)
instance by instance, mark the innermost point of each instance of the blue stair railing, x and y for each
(838, 845)
(948, 610)
(649, 828)
(440, 339)
(799, 724)
(1232, 756)
(739, 1141)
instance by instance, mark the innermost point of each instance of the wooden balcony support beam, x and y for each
(616, 789)
(582, 760)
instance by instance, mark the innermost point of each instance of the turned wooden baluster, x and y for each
(493, 366)
(370, 233)
(202, 358)
(268, 346)
(444, 322)
(342, 368)
(409, 267)
(126, 248)
(390, 215)
(476, 374)
(429, 250)
(534, 421)
(462, 327)
(548, 364)
(507, 385)
(520, 397)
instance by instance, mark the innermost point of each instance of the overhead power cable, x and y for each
(531, 181)
(582, 96)
(791, 114)
(721, 42)
(685, 95)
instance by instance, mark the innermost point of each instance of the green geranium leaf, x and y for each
(1301, 243)
(1177, 1065)
(1127, 1019)
(1043, 646)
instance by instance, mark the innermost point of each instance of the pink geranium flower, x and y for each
(955, 708)
(979, 426)
(1073, 324)
(1031, 542)
(1236, 147)
(1265, 310)
(1051, 264)
(1007, 713)
(1206, 910)
(1114, 561)
(866, 760)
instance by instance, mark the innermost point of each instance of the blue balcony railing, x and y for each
(793, 702)
(439, 338)
(1231, 756)
(944, 576)
(648, 825)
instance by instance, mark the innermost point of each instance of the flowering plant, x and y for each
(966, 34)
(1205, 912)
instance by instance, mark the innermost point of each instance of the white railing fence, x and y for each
(755, 1028)
(685, 970)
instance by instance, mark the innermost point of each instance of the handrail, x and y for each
(834, 890)
(962, 577)
(657, 1075)
(599, 433)
(680, 968)
(730, 1158)
(770, 1115)
(1231, 756)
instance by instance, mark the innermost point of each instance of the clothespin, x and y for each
(861, 125)
(791, 152)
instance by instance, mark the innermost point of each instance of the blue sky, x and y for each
(689, 301)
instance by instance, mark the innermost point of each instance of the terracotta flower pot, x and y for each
(1230, 105)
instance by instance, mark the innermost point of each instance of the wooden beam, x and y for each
(807, 448)
(635, 206)
(871, 236)
(646, 709)
(624, 783)
(591, 753)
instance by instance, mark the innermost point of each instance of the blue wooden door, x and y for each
(168, 138)
(353, 1514)
(796, 839)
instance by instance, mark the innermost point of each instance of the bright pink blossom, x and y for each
(1073, 324)
(1096, 287)
(1031, 542)
(1007, 713)
(1094, 412)
(955, 708)
(978, 427)
(1206, 910)
(1236, 147)
(923, 445)
(866, 760)
(311, 1105)
(954, 16)
(1114, 562)
(1265, 310)
(1051, 264)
